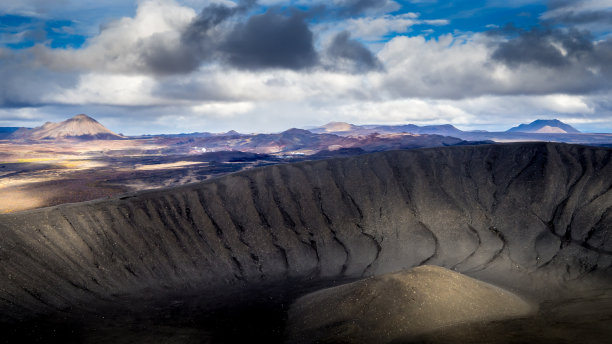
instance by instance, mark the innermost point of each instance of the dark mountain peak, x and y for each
(296, 131)
(82, 117)
(547, 121)
(545, 126)
(445, 126)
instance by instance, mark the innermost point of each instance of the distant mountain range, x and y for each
(80, 127)
(342, 128)
(539, 130)
(326, 139)
(540, 126)
(303, 142)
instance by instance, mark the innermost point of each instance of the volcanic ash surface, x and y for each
(399, 306)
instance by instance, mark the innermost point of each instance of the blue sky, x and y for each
(70, 29)
(154, 66)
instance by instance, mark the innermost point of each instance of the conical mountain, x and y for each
(80, 127)
(545, 126)
(334, 127)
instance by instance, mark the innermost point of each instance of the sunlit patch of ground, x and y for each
(21, 161)
(173, 165)
(81, 164)
(13, 201)
(40, 174)
(504, 140)
(66, 150)
(53, 192)
(17, 181)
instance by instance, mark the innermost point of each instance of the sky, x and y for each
(179, 66)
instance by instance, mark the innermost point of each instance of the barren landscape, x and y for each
(305, 172)
(68, 162)
(49, 173)
(218, 254)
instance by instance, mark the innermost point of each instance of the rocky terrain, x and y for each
(221, 260)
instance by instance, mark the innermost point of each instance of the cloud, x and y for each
(446, 67)
(170, 68)
(373, 28)
(129, 45)
(476, 65)
(569, 57)
(271, 40)
(164, 57)
(565, 104)
(349, 54)
(583, 17)
(186, 48)
(410, 110)
(356, 7)
(24, 36)
(376, 27)
(547, 48)
(25, 116)
(223, 109)
(25, 82)
(107, 89)
(261, 41)
(579, 11)
(164, 38)
(29, 7)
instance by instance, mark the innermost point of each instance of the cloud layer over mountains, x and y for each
(216, 65)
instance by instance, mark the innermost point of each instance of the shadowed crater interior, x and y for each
(222, 261)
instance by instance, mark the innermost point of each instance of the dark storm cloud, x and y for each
(198, 43)
(271, 40)
(201, 29)
(274, 39)
(580, 63)
(344, 48)
(164, 60)
(547, 48)
(226, 34)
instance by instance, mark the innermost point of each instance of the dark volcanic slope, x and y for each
(531, 217)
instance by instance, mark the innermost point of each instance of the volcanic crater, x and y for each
(223, 260)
